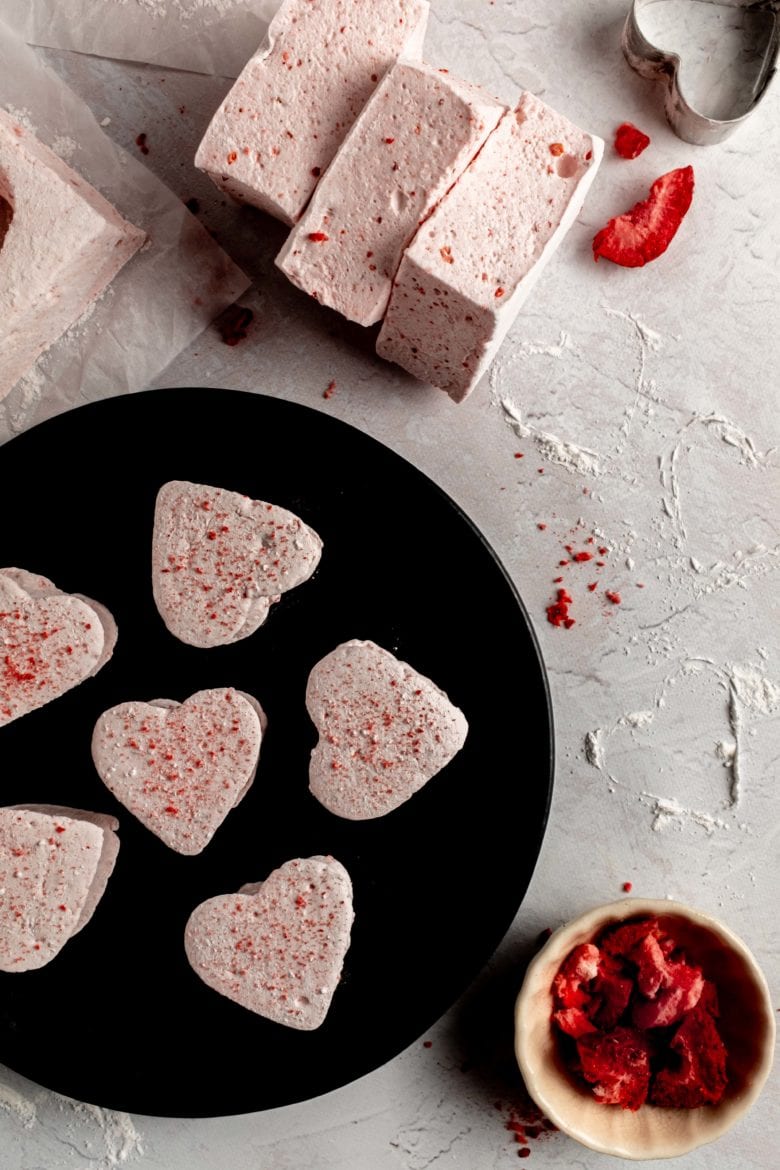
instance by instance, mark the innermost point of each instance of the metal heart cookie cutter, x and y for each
(731, 95)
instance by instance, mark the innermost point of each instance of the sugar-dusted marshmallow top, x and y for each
(413, 140)
(471, 265)
(288, 112)
(277, 947)
(54, 866)
(61, 242)
(219, 559)
(384, 730)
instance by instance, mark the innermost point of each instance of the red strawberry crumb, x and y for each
(615, 598)
(645, 232)
(593, 586)
(141, 144)
(541, 527)
(519, 455)
(627, 886)
(556, 148)
(558, 612)
(329, 390)
(318, 237)
(234, 323)
(629, 141)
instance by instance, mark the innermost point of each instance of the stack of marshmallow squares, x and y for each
(414, 198)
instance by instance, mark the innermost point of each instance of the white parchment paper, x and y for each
(161, 300)
(204, 36)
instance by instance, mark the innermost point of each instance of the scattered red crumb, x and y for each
(427, 1043)
(628, 887)
(329, 390)
(519, 455)
(318, 237)
(541, 527)
(629, 141)
(615, 598)
(646, 231)
(593, 587)
(580, 557)
(636, 1020)
(141, 144)
(234, 323)
(540, 470)
(525, 1122)
(558, 612)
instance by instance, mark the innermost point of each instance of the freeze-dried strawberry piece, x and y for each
(617, 1065)
(573, 1022)
(651, 966)
(630, 141)
(701, 1078)
(681, 993)
(580, 967)
(644, 232)
(623, 939)
(611, 993)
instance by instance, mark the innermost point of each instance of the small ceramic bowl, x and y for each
(746, 1025)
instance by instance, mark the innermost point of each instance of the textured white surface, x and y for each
(649, 399)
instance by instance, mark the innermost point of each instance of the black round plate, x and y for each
(118, 1018)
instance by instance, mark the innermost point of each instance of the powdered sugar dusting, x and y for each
(550, 447)
(19, 1106)
(668, 811)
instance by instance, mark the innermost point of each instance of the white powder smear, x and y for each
(550, 447)
(668, 811)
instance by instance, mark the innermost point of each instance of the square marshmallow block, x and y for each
(61, 244)
(413, 140)
(287, 114)
(471, 265)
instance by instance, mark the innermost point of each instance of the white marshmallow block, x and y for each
(61, 244)
(413, 140)
(289, 111)
(468, 270)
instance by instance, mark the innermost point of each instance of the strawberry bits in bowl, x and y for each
(644, 1029)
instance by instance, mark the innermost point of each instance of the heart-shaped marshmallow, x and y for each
(49, 642)
(277, 947)
(385, 730)
(54, 866)
(181, 767)
(220, 560)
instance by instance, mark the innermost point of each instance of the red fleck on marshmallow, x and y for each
(384, 730)
(54, 867)
(220, 560)
(277, 947)
(469, 268)
(62, 244)
(50, 641)
(287, 114)
(415, 137)
(180, 768)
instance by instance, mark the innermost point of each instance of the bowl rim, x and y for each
(557, 947)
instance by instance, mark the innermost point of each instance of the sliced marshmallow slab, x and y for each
(61, 243)
(54, 866)
(384, 730)
(49, 642)
(415, 137)
(469, 268)
(287, 114)
(220, 560)
(181, 767)
(277, 947)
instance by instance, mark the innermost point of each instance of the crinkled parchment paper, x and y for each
(205, 36)
(161, 300)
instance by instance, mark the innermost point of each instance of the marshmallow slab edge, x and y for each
(414, 139)
(287, 114)
(466, 274)
(63, 245)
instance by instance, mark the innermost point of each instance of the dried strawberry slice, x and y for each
(573, 1022)
(682, 990)
(579, 967)
(617, 1065)
(630, 141)
(623, 939)
(611, 993)
(701, 1078)
(644, 232)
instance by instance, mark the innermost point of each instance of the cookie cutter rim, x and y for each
(652, 62)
